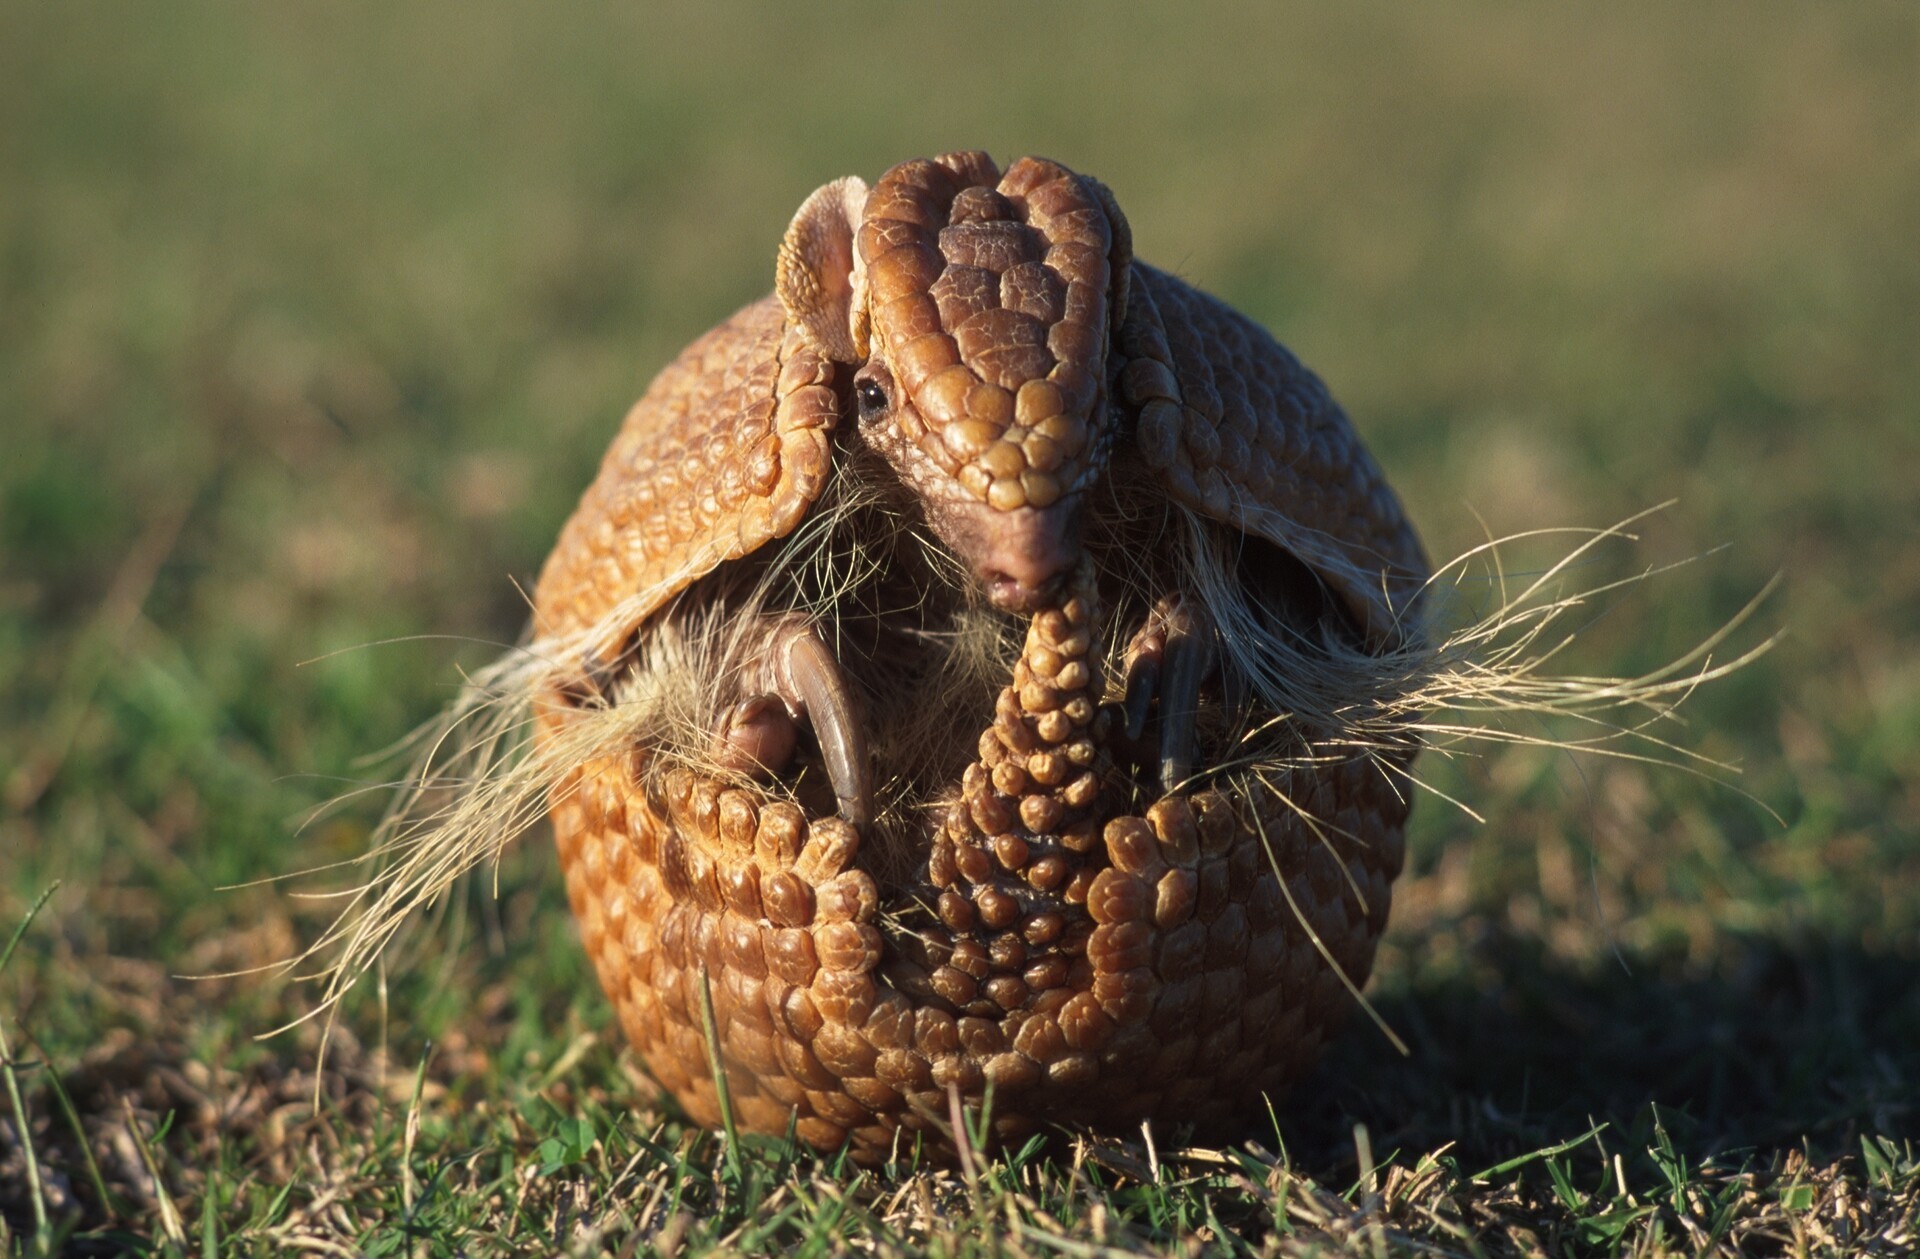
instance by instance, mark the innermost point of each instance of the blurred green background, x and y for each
(314, 321)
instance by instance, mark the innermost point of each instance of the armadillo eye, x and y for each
(873, 399)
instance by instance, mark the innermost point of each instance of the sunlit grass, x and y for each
(314, 322)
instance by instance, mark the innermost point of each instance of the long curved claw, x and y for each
(1189, 657)
(813, 677)
(1145, 655)
(1167, 660)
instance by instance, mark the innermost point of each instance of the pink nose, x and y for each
(1025, 573)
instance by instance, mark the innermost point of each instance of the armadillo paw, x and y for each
(1166, 663)
(755, 737)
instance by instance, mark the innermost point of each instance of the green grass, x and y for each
(314, 321)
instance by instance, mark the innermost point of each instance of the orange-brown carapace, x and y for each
(973, 599)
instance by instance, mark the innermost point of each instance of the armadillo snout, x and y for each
(1023, 583)
(1021, 558)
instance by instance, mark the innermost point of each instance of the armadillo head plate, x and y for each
(978, 308)
(990, 298)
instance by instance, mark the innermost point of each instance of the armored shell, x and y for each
(1094, 890)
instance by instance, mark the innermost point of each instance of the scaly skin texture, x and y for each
(1095, 944)
(728, 450)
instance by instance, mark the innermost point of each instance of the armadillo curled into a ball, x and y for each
(980, 605)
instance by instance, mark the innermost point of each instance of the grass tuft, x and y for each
(313, 325)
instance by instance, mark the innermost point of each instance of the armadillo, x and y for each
(985, 594)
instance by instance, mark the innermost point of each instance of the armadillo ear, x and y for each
(818, 274)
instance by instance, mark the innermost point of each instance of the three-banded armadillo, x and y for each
(986, 599)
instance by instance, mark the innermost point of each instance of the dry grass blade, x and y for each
(36, 1191)
(170, 1221)
(722, 1090)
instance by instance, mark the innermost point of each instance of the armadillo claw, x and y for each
(1190, 657)
(1168, 660)
(1143, 663)
(815, 685)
